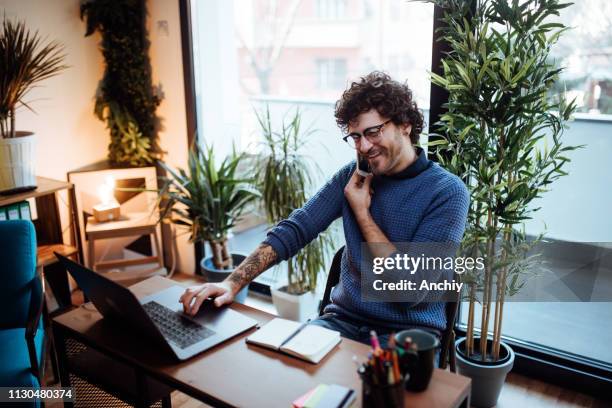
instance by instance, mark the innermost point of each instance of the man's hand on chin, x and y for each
(358, 192)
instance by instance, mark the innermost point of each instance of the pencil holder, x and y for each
(376, 396)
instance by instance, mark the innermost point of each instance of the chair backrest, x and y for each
(333, 277)
(447, 337)
(17, 272)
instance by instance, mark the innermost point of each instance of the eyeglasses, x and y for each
(372, 134)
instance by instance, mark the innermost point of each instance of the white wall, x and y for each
(167, 63)
(70, 136)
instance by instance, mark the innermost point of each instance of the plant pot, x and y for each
(212, 274)
(487, 377)
(17, 159)
(294, 307)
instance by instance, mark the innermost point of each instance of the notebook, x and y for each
(307, 342)
(326, 396)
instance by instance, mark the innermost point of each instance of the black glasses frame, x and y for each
(356, 136)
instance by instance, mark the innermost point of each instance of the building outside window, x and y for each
(331, 9)
(331, 73)
(587, 53)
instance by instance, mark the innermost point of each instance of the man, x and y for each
(407, 199)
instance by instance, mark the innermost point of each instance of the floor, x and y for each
(519, 391)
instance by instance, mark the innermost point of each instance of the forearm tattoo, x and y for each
(253, 265)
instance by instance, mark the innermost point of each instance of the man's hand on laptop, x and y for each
(194, 296)
(224, 292)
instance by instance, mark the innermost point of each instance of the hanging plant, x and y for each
(126, 98)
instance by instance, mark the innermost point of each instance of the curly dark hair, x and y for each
(390, 98)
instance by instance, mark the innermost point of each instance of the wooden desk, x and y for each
(235, 373)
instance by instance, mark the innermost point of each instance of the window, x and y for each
(576, 215)
(586, 51)
(331, 73)
(331, 9)
(249, 54)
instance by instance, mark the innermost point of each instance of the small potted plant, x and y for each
(283, 179)
(208, 199)
(499, 77)
(24, 62)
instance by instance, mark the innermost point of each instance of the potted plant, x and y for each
(208, 199)
(284, 179)
(502, 136)
(25, 61)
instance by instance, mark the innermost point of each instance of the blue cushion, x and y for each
(17, 272)
(15, 367)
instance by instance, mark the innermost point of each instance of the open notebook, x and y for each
(308, 342)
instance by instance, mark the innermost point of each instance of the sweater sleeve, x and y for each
(306, 223)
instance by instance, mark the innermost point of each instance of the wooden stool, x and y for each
(131, 224)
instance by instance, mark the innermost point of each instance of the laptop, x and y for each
(160, 316)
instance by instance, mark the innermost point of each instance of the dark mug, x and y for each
(419, 364)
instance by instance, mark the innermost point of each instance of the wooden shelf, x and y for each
(45, 255)
(44, 186)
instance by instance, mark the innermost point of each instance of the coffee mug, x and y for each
(419, 364)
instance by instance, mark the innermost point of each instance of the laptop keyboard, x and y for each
(175, 327)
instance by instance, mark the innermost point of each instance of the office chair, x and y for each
(447, 340)
(22, 327)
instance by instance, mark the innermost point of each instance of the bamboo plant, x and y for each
(24, 61)
(283, 177)
(207, 199)
(502, 135)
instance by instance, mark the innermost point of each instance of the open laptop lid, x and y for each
(112, 300)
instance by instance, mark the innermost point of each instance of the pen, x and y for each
(295, 333)
(374, 340)
(391, 343)
(390, 375)
(396, 369)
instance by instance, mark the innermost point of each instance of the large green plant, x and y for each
(24, 62)
(503, 137)
(126, 98)
(284, 178)
(208, 199)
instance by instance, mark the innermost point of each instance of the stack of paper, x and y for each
(326, 396)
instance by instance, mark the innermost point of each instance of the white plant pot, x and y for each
(17, 162)
(295, 307)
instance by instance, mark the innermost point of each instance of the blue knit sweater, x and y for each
(424, 203)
